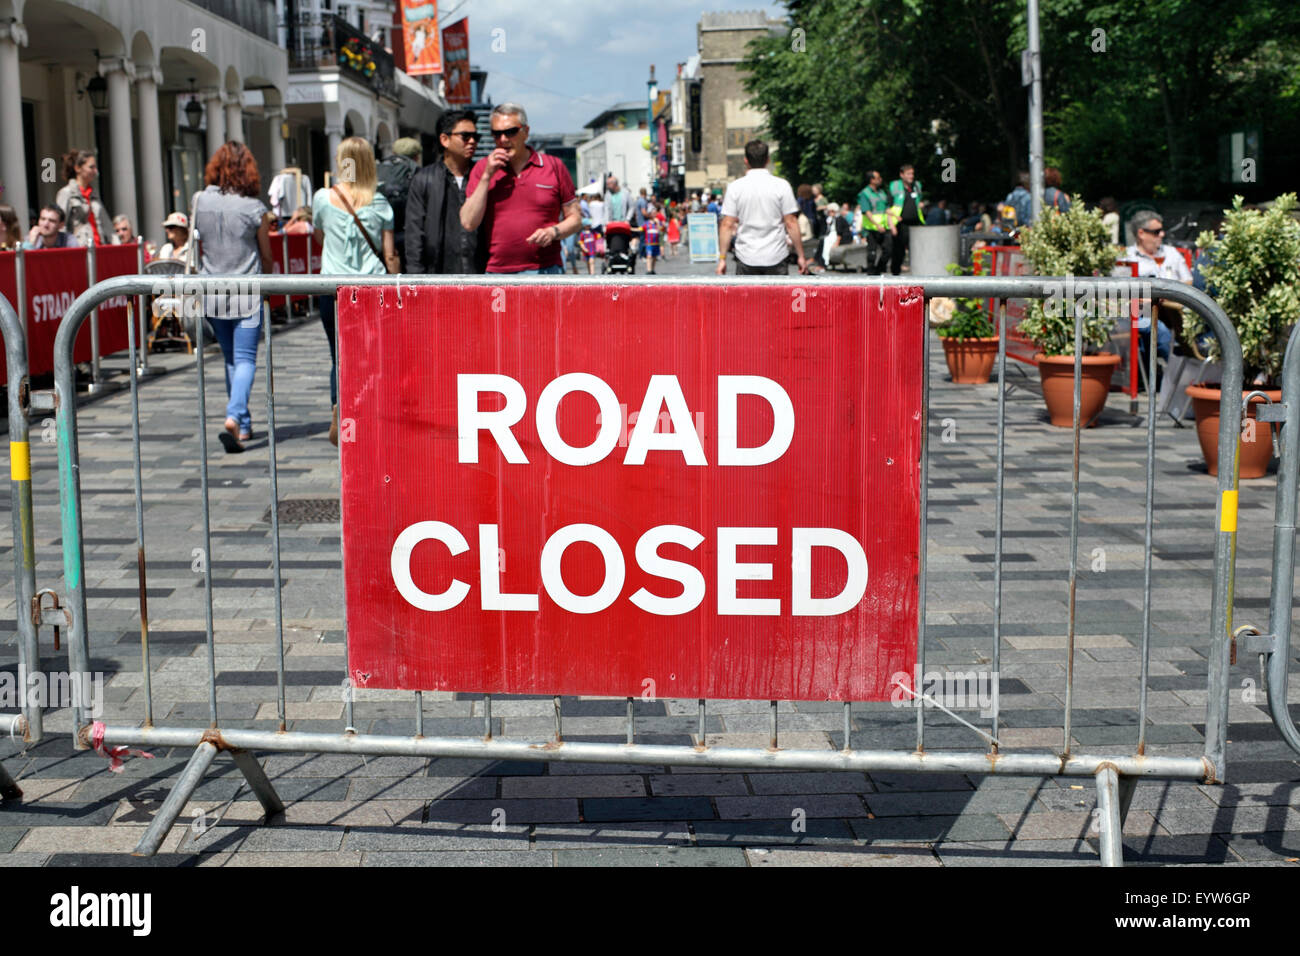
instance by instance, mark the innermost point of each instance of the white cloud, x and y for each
(566, 60)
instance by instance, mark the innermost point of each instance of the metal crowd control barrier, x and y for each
(1116, 773)
(1274, 645)
(28, 724)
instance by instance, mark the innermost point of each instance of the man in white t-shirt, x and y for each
(760, 210)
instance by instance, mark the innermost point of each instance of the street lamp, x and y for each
(97, 90)
(193, 111)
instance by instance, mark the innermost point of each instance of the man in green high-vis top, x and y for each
(879, 222)
(905, 192)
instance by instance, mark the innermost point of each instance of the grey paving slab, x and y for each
(457, 858)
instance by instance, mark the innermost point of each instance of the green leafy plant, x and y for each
(969, 321)
(1075, 243)
(1254, 272)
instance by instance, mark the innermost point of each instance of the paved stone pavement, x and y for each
(353, 811)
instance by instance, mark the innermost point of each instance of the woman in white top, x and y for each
(353, 222)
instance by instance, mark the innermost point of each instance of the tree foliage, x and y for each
(1136, 96)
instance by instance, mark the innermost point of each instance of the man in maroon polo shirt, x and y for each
(527, 198)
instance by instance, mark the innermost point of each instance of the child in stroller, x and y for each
(618, 246)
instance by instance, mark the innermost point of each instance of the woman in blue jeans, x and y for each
(354, 225)
(234, 227)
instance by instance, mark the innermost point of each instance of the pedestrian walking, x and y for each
(234, 228)
(905, 193)
(674, 234)
(525, 200)
(353, 222)
(760, 211)
(1053, 197)
(651, 233)
(83, 211)
(436, 242)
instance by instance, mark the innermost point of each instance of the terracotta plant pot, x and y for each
(970, 361)
(1254, 455)
(1057, 374)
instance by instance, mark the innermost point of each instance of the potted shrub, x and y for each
(1075, 243)
(1253, 269)
(970, 343)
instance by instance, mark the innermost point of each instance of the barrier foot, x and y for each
(1111, 807)
(252, 770)
(189, 780)
(9, 789)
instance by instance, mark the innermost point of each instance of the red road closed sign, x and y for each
(669, 490)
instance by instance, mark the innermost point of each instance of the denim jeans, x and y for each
(326, 305)
(239, 340)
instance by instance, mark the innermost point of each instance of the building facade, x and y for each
(618, 145)
(728, 122)
(154, 86)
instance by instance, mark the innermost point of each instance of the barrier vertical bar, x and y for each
(924, 533)
(207, 517)
(133, 372)
(91, 271)
(1074, 522)
(273, 472)
(1144, 666)
(20, 495)
(140, 309)
(1284, 517)
(998, 514)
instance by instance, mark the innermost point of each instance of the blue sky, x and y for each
(566, 60)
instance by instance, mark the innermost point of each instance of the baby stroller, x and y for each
(618, 248)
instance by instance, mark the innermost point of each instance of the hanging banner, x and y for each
(455, 57)
(418, 54)
(681, 491)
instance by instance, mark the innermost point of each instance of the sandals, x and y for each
(230, 437)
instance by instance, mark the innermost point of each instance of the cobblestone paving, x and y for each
(345, 811)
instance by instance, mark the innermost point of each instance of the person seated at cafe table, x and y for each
(48, 233)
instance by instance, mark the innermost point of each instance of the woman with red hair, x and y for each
(233, 226)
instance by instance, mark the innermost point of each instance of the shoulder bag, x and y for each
(391, 263)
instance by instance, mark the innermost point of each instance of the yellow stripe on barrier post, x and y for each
(1228, 511)
(20, 461)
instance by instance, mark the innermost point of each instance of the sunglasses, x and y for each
(472, 134)
(508, 133)
(1155, 232)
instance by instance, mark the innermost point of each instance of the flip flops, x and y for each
(230, 437)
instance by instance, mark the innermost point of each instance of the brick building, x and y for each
(727, 123)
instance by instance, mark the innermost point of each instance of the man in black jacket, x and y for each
(435, 240)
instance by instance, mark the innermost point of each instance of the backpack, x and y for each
(395, 174)
(1007, 218)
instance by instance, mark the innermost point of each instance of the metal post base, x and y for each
(257, 780)
(1114, 793)
(189, 781)
(9, 789)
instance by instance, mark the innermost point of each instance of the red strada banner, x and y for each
(297, 252)
(706, 490)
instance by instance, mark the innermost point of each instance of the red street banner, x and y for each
(455, 56)
(668, 491)
(55, 277)
(110, 262)
(297, 252)
(417, 52)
